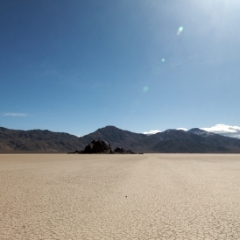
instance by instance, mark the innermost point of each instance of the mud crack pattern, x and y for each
(150, 196)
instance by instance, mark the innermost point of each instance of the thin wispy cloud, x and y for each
(225, 130)
(151, 132)
(15, 114)
(222, 128)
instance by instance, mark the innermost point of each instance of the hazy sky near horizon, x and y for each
(75, 66)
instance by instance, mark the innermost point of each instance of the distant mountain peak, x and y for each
(110, 126)
(200, 132)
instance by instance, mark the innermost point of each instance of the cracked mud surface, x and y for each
(150, 196)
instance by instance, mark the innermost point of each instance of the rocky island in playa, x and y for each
(101, 147)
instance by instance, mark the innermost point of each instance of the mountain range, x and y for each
(170, 141)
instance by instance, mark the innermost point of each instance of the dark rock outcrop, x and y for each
(98, 147)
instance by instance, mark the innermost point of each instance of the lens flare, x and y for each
(145, 88)
(180, 30)
(163, 60)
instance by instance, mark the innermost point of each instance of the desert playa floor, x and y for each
(150, 196)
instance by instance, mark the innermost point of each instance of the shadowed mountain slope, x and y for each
(116, 137)
(169, 141)
(36, 141)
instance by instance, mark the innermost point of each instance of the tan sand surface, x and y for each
(150, 196)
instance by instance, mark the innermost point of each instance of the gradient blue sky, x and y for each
(75, 66)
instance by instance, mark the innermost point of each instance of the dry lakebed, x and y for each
(149, 196)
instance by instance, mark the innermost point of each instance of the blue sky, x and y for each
(75, 66)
